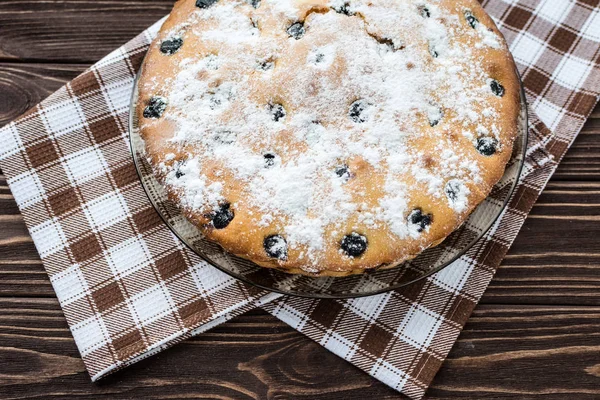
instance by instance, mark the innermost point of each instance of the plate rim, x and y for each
(348, 295)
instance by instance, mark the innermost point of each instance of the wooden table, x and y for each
(535, 334)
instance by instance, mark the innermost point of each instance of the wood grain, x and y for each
(535, 271)
(22, 86)
(505, 350)
(74, 31)
(535, 335)
(524, 352)
(582, 161)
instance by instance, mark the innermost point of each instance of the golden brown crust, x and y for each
(244, 235)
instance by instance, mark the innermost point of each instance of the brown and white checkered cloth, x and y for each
(129, 288)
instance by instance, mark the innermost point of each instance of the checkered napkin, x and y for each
(129, 288)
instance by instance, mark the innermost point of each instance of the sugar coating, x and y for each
(424, 100)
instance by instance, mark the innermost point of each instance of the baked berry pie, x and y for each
(328, 137)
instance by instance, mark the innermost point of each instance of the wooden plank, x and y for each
(23, 86)
(531, 273)
(582, 161)
(554, 260)
(79, 31)
(522, 351)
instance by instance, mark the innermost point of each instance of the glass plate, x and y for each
(370, 283)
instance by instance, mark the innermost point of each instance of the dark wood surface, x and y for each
(536, 333)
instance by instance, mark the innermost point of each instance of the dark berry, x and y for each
(214, 102)
(344, 9)
(276, 247)
(319, 58)
(171, 46)
(487, 146)
(205, 3)
(212, 62)
(269, 160)
(297, 30)
(357, 111)
(155, 108)
(266, 65)
(354, 244)
(453, 189)
(434, 53)
(471, 19)
(277, 111)
(497, 88)
(419, 220)
(424, 11)
(222, 216)
(254, 3)
(435, 118)
(343, 171)
(224, 137)
(178, 172)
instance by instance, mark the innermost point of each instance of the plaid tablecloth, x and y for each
(130, 289)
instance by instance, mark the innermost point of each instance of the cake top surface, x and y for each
(317, 122)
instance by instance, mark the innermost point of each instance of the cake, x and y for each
(328, 137)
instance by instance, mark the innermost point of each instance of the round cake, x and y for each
(328, 137)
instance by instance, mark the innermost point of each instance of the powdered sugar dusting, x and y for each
(369, 89)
